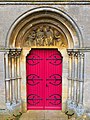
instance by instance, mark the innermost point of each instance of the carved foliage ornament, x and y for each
(43, 35)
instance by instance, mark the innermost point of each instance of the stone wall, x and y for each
(87, 82)
(9, 13)
(79, 13)
(2, 82)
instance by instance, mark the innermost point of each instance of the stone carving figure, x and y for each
(48, 36)
(58, 38)
(44, 35)
(39, 36)
(31, 39)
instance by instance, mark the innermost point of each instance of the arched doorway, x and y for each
(46, 28)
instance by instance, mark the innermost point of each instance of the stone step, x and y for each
(41, 115)
(27, 118)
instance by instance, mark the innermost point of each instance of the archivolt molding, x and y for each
(45, 15)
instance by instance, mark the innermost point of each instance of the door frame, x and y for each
(25, 52)
(41, 49)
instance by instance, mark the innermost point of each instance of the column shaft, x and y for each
(75, 76)
(7, 83)
(7, 79)
(13, 80)
(19, 79)
(81, 79)
(79, 73)
(69, 75)
(16, 80)
(73, 70)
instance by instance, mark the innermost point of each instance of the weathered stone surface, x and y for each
(81, 16)
(44, 115)
(87, 82)
(2, 82)
(9, 13)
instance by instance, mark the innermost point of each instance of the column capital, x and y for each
(76, 53)
(14, 52)
(82, 55)
(6, 53)
(70, 53)
(73, 53)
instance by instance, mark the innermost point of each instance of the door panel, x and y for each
(44, 79)
(35, 80)
(53, 72)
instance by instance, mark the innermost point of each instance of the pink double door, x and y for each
(44, 79)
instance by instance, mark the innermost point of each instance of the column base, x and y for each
(19, 101)
(80, 110)
(12, 106)
(71, 104)
(13, 102)
(8, 104)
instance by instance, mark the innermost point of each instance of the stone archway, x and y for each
(47, 28)
(47, 15)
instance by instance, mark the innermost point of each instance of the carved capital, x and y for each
(82, 55)
(14, 52)
(76, 54)
(71, 54)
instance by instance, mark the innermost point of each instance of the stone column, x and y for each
(7, 79)
(18, 79)
(78, 83)
(69, 75)
(13, 76)
(75, 76)
(14, 66)
(10, 75)
(81, 78)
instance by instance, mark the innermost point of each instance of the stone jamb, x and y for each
(11, 56)
(77, 102)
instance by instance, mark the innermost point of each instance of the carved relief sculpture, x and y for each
(43, 35)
